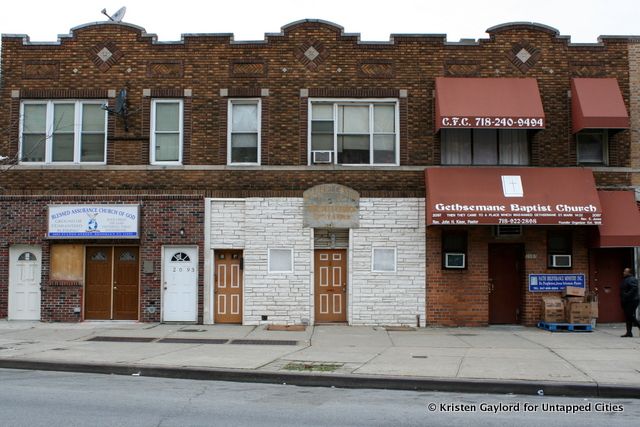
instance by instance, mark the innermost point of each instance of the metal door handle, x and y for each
(115, 288)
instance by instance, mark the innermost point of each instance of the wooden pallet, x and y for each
(565, 327)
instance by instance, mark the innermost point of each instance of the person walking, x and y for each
(629, 299)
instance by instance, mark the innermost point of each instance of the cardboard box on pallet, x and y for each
(573, 291)
(552, 310)
(578, 312)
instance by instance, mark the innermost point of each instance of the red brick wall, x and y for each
(345, 68)
(160, 221)
(461, 298)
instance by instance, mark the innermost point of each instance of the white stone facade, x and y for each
(256, 225)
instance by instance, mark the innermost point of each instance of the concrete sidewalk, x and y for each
(494, 359)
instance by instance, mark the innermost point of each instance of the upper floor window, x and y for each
(166, 131)
(592, 147)
(63, 132)
(354, 132)
(244, 132)
(484, 147)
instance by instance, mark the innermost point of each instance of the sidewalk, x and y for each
(495, 359)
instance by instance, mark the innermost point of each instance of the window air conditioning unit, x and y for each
(321, 156)
(454, 260)
(562, 261)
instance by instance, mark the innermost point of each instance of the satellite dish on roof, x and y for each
(116, 17)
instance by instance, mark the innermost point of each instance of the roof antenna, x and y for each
(116, 17)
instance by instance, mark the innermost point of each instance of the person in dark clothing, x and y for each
(629, 299)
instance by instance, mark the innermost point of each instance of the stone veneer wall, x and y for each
(257, 224)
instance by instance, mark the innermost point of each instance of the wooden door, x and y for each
(125, 283)
(330, 285)
(24, 282)
(228, 279)
(606, 276)
(99, 269)
(505, 283)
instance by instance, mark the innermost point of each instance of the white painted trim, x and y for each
(395, 259)
(355, 101)
(152, 139)
(247, 101)
(207, 303)
(280, 271)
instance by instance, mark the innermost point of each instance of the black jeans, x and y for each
(630, 315)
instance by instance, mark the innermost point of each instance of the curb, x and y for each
(455, 385)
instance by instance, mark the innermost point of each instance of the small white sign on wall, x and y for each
(94, 221)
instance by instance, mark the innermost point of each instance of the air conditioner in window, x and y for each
(562, 261)
(321, 156)
(454, 260)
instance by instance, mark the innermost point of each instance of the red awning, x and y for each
(511, 196)
(597, 104)
(620, 220)
(505, 103)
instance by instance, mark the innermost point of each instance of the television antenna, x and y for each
(116, 17)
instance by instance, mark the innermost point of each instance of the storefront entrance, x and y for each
(112, 283)
(330, 285)
(506, 262)
(606, 275)
(228, 280)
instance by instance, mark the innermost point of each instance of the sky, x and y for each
(374, 20)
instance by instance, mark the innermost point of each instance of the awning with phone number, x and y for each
(488, 103)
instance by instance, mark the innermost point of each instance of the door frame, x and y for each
(113, 263)
(23, 248)
(163, 289)
(347, 293)
(212, 279)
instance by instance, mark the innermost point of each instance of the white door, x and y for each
(180, 299)
(24, 282)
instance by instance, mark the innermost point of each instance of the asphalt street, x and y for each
(37, 398)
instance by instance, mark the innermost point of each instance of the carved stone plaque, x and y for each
(331, 206)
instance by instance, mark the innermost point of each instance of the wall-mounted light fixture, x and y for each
(182, 233)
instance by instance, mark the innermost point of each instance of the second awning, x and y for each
(597, 104)
(511, 196)
(620, 220)
(496, 103)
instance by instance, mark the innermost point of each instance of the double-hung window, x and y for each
(354, 132)
(166, 131)
(244, 132)
(63, 132)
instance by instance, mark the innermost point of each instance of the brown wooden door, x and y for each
(330, 285)
(97, 300)
(505, 283)
(228, 279)
(125, 283)
(606, 276)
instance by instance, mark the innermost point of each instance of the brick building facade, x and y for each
(285, 177)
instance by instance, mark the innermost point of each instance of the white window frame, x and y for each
(49, 130)
(152, 148)
(450, 266)
(395, 259)
(290, 250)
(605, 147)
(246, 101)
(354, 101)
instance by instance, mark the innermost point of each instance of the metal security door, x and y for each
(228, 286)
(180, 298)
(505, 283)
(24, 282)
(330, 285)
